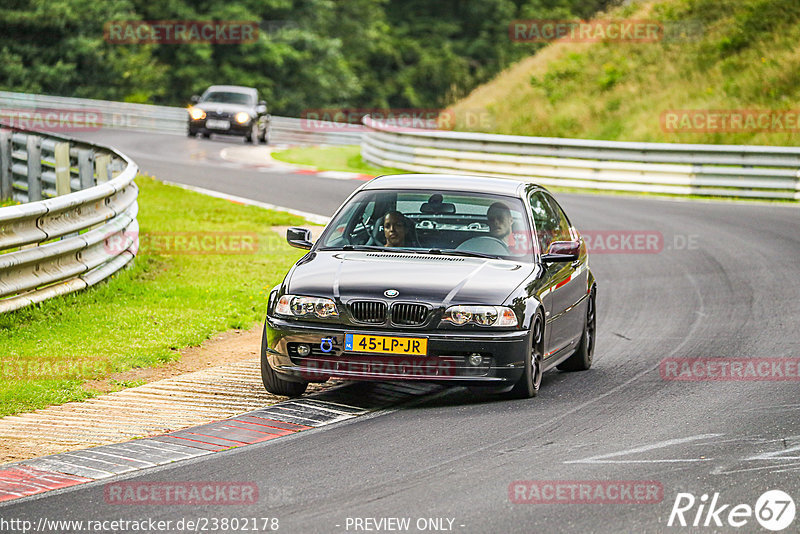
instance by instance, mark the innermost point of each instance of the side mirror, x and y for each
(195, 99)
(562, 251)
(262, 107)
(299, 238)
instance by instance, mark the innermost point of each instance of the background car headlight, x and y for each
(241, 117)
(197, 114)
(294, 306)
(480, 315)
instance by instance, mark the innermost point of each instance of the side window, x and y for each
(562, 231)
(545, 219)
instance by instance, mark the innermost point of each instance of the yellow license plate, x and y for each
(413, 346)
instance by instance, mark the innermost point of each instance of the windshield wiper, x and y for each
(361, 247)
(460, 253)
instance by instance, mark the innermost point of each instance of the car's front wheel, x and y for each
(531, 380)
(272, 382)
(582, 359)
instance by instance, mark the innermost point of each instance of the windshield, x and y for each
(432, 222)
(228, 97)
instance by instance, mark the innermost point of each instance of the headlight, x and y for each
(294, 306)
(480, 315)
(197, 114)
(241, 117)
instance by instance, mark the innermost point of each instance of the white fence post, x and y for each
(101, 167)
(5, 165)
(61, 154)
(34, 149)
(86, 168)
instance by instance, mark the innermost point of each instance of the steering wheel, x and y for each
(377, 236)
(486, 245)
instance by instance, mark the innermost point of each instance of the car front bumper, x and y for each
(199, 126)
(503, 355)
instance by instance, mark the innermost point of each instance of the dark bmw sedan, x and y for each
(229, 110)
(462, 280)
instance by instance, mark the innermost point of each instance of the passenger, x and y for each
(395, 229)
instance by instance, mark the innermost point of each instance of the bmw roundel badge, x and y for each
(391, 293)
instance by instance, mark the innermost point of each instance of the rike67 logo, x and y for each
(774, 510)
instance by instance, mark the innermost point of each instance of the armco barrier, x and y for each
(164, 119)
(77, 224)
(680, 169)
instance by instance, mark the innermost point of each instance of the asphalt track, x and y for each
(725, 285)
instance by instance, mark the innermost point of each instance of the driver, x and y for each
(395, 229)
(500, 227)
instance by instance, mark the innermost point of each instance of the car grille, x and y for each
(218, 115)
(367, 311)
(409, 314)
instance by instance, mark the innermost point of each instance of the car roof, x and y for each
(231, 88)
(449, 182)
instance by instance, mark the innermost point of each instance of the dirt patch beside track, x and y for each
(220, 379)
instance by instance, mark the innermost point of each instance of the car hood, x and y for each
(434, 279)
(224, 108)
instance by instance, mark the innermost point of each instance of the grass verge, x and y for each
(335, 158)
(143, 316)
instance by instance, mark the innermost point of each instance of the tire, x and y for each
(252, 137)
(192, 133)
(272, 382)
(582, 359)
(264, 138)
(206, 135)
(528, 385)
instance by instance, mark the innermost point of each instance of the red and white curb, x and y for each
(261, 160)
(335, 175)
(34, 477)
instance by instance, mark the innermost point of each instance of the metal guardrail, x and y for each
(77, 224)
(679, 169)
(165, 119)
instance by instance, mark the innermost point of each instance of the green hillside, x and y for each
(715, 55)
